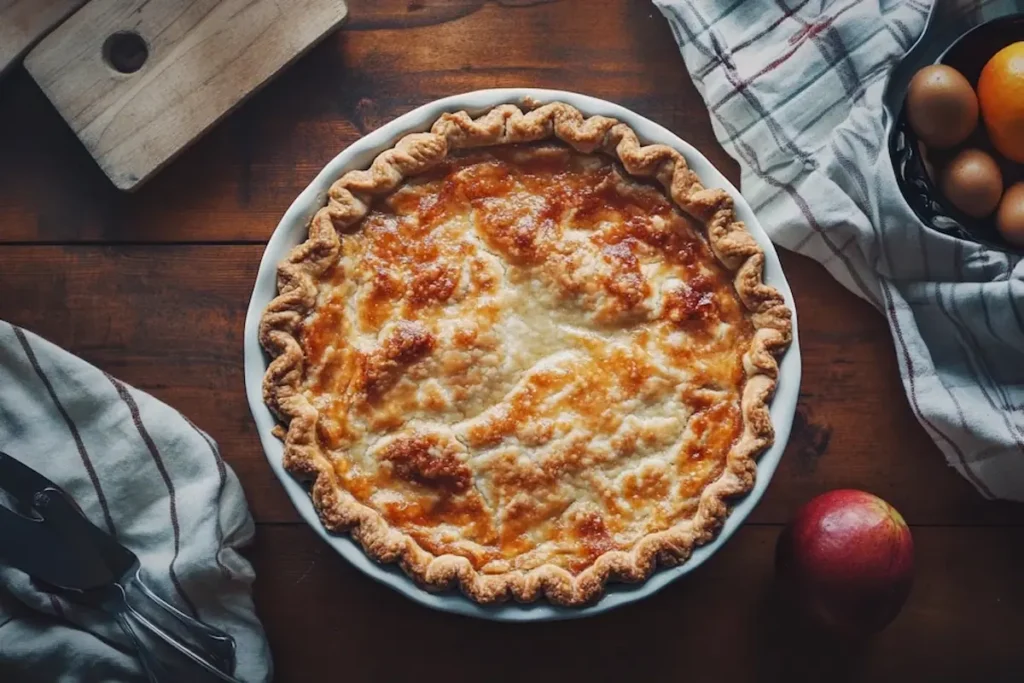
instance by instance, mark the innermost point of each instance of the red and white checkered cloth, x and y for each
(794, 88)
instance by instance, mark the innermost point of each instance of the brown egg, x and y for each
(1010, 217)
(972, 182)
(941, 106)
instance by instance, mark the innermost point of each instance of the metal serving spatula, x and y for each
(51, 541)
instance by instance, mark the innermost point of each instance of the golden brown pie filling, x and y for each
(525, 356)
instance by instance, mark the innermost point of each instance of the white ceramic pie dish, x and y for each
(292, 230)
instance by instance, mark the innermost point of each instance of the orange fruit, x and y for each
(1001, 96)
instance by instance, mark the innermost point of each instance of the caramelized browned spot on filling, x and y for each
(406, 343)
(425, 459)
(525, 357)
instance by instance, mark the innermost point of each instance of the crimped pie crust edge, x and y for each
(349, 200)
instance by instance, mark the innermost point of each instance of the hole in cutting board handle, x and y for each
(125, 52)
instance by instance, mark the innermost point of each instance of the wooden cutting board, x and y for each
(140, 80)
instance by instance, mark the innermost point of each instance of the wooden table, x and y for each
(152, 287)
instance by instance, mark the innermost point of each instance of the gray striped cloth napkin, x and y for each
(142, 471)
(794, 90)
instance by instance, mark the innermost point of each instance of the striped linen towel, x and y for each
(794, 89)
(143, 472)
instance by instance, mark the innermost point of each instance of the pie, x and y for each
(524, 355)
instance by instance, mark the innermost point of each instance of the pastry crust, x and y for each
(349, 202)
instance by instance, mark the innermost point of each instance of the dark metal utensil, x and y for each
(55, 544)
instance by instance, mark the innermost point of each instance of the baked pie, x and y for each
(525, 355)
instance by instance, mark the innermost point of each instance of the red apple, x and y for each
(848, 558)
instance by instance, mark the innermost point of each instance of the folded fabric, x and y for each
(141, 471)
(794, 90)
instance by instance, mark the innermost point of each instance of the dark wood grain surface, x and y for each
(153, 286)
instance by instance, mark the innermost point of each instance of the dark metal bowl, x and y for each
(968, 54)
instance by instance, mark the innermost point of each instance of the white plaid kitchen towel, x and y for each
(141, 471)
(794, 89)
